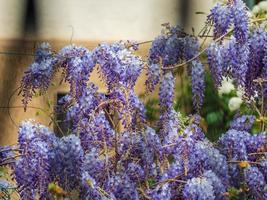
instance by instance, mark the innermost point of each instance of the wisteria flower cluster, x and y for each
(112, 152)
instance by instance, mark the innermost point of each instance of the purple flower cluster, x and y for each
(240, 146)
(166, 92)
(256, 182)
(39, 74)
(240, 20)
(118, 66)
(168, 117)
(232, 58)
(257, 42)
(6, 155)
(66, 162)
(153, 76)
(221, 17)
(172, 47)
(216, 62)
(243, 123)
(31, 170)
(237, 57)
(77, 64)
(198, 188)
(198, 85)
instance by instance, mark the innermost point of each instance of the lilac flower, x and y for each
(143, 148)
(89, 188)
(118, 65)
(264, 76)
(137, 108)
(157, 49)
(77, 63)
(216, 62)
(240, 20)
(237, 55)
(39, 74)
(256, 183)
(161, 192)
(243, 123)
(43, 52)
(84, 106)
(6, 155)
(173, 51)
(256, 61)
(153, 142)
(96, 132)
(198, 85)
(66, 162)
(191, 47)
(32, 169)
(198, 188)
(94, 166)
(221, 17)
(256, 142)
(169, 126)
(263, 167)
(205, 157)
(153, 77)
(135, 172)
(166, 91)
(232, 144)
(218, 187)
(122, 187)
(175, 171)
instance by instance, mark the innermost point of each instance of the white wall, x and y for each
(11, 16)
(99, 19)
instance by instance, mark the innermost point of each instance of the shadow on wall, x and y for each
(11, 68)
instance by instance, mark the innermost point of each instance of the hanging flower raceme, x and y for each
(96, 132)
(256, 183)
(7, 155)
(153, 76)
(166, 92)
(84, 108)
(216, 62)
(77, 64)
(237, 57)
(240, 20)
(243, 123)
(221, 18)
(31, 170)
(256, 65)
(168, 121)
(195, 187)
(198, 85)
(39, 74)
(118, 65)
(223, 15)
(66, 162)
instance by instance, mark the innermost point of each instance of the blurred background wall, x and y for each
(27, 22)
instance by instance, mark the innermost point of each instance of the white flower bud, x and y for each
(227, 86)
(234, 103)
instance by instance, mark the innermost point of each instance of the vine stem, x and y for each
(33, 107)
(258, 153)
(239, 161)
